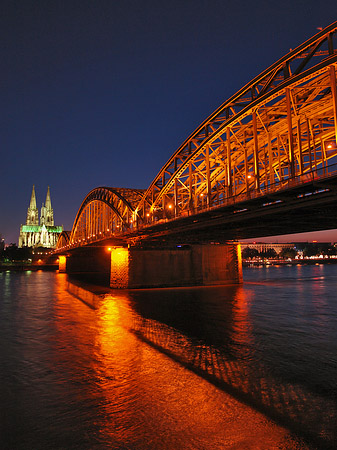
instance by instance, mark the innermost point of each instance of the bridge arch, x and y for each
(63, 240)
(104, 212)
(278, 129)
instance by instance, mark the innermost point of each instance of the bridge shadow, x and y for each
(209, 331)
(181, 324)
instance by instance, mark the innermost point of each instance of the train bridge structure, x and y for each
(264, 163)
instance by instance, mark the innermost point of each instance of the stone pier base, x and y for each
(190, 265)
(62, 264)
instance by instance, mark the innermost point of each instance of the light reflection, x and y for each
(62, 263)
(127, 337)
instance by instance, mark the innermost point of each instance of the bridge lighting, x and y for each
(170, 206)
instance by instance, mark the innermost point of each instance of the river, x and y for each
(230, 367)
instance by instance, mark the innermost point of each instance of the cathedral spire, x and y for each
(32, 212)
(32, 204)
(48, 201)
(47, 214)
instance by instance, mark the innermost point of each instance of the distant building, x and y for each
(264, 246)
(43, 233)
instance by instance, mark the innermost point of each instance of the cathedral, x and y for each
(44, 234)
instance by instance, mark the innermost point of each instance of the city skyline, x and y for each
(103, 95)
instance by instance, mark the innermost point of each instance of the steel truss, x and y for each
(105, 212)
(278, 131)
(279, 128)
(63, 240)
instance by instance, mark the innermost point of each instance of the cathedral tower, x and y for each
(43, 234)
(47, 213)
(32, 212)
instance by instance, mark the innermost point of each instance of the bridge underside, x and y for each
(307, 207)
(160, 266)
(263, 164)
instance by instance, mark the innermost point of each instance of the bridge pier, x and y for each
(62, 263)
(188, 265)
(144, 267)
(91, 264)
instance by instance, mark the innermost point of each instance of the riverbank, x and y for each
(24, 267)
(287, 262)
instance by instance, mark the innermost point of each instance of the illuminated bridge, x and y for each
(264, 163)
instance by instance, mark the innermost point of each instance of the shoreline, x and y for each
(293, 262)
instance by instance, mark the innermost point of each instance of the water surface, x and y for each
(231, 367)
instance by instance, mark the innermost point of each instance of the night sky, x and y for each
(101, 93)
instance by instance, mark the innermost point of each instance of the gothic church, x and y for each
(44, 234)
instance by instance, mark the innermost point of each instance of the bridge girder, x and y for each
(279, 126)
(104, 212)
(63, 240)
(279, 130)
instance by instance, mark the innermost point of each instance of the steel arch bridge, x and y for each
(104, 212)
(277, 132)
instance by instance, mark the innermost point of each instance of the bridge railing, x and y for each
(317, 174)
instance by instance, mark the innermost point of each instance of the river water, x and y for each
(231, 367)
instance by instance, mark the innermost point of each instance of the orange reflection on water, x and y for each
(241, 320)
(141, 392)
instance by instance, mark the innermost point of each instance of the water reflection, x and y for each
(209, 331)
(145, 393)
(204, 368)
(226, 357)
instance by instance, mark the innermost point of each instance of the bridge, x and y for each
(264, 163)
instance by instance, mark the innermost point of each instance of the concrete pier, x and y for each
(138, 267)
(190, 265)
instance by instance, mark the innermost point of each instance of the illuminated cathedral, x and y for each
(39, 234)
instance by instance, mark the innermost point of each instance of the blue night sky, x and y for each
(101, 93)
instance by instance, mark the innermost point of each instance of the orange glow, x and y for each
(39, 261)
(109, 249)
(62, 263)
(119, 277)
(239, 262)
(170, 206)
